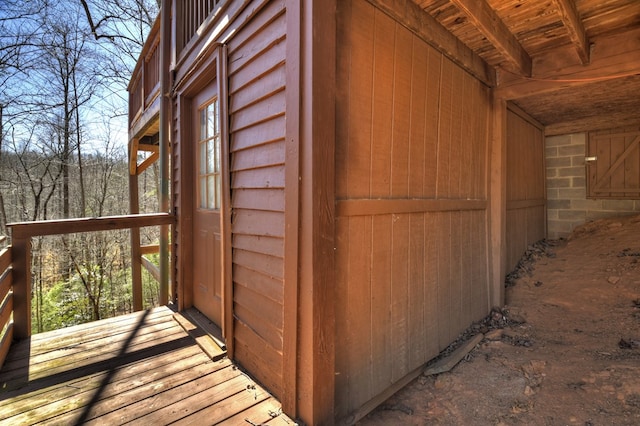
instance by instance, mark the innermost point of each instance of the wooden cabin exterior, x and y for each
(351, 180)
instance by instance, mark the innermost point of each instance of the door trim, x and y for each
(212, 66)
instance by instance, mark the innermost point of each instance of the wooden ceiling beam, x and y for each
(572, 22)
(613, 56)
(485, 19)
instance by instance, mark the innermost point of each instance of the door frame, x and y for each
(213, 65)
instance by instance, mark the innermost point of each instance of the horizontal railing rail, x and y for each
(23, 232)
(6, 302)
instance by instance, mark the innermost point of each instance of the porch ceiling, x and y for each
(572, 64)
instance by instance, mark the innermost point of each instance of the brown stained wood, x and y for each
(6, 309)
(5, 343)
(54, 405)
(416, 115)
(5, 259)
(382, 113)
(259, 133)
(456, 148)
(573, 23)
(271, 246)
(260, 413)
(456, 313)
(484, 18)
(267, 265)
(106, 223)
(262, 283)
(246, 85)
(432, 118)
(259, 156)
(399, 300)
(377, 207)
(43, 343)
(256, 355)
(402, 70)
(357, 380)
(444, 284)
(525, 184)
(445, 123)
(259, 199)
(146, 372)
(498, 202)
(58, 361)
(353, 167)
(261, 308)
(271, 107)
(6, 282)
(381, 324)
(436, 35)
(263, 178)
(611, 55)
(210, 345)
(21, 267)
(164, 382)
(417, 333)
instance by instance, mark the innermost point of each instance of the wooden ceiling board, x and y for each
(542, 30)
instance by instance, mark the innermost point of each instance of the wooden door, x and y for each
(207, 241)
(613, 161)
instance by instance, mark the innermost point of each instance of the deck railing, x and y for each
(6, 300)
(20, 255)
(144, 86)
(191, 15)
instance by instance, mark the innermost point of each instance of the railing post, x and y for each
(21, 263)
(136, 267)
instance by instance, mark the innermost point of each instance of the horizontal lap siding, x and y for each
(411, 126)
(526, 216)
(257, 108)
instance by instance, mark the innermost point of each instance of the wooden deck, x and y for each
(142, 368)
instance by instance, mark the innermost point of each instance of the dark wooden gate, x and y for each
(613, 164)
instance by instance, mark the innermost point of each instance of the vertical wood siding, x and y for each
(526, 208)
(256, 63)
(412, 143)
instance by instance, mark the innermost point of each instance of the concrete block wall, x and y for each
(567, 203)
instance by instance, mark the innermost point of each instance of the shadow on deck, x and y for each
(142, 368)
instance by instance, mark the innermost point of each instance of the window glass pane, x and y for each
(211, 158)
(211, 120)
(211, 189)
(203, 124)
(203, 192)
(218, 155)
(203, 159)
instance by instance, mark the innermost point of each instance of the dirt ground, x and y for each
(565, 350)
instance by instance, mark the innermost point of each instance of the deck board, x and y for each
(142, 368)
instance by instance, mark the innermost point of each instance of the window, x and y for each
(209, 156)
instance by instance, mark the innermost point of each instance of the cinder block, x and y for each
(550, 152)
(618, 205)
(577, 160)
(552, 172)
(572, 215)
(552, 214)
(586, 204)
(571, 171)
(572, 193)
(571, 150)
(558, 162)
(559, 204)
(579, 182)
(557, 140)
(559, 183)
(578, 139)
(552, 194)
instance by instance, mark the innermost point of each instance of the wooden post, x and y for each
(316, 282)
(165, 116)
(498, 201)
(21, 263)
(136, 269)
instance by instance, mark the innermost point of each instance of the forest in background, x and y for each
(64, 69)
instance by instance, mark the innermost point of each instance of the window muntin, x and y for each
(209, 153)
